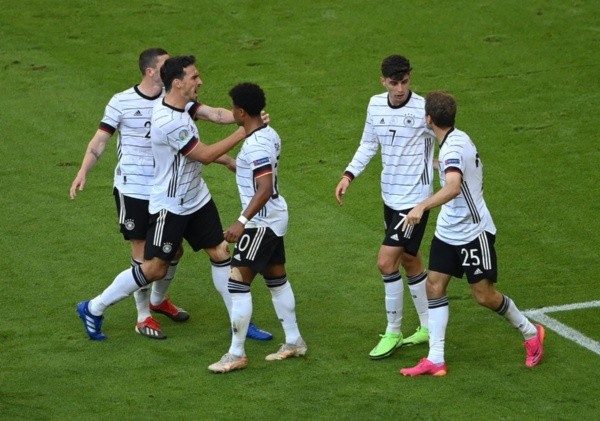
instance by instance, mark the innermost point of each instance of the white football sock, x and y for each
(394, 297)
(241, 313)
(510, 312)
(417, 286)
(159, 288)
(284, 303)
(142, 297)
(123, 286)
(439, 313)
(220, 275)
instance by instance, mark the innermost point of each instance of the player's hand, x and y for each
(413, 217)
(234, 232)
(340, 190)
(78, 184)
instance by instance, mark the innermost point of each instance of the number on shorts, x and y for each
(470, 257)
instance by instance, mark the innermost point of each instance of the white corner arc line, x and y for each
(563, 330)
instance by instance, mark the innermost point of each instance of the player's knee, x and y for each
(386, 265)
(411, 264)
(154, 269)
(434, 289)
(389, 258)
(219, 253)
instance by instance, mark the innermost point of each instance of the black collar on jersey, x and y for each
(171, 107)
(150, 98)
(446, 137)
(395, 107)
(254, 131)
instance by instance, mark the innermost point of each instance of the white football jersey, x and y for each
(259, 155)
(407, 146)
(129, 112)
(463, 218)
(178, 184)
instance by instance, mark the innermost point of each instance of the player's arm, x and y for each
(368, 147)
(92, 155)
(210, 153)
(450, 190)
(227, 161)
(214, 115)
(263, 192)
(221, 115)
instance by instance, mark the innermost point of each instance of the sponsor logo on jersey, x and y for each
(237, 257)
(183, 135)
(382, 121)
(260, 161)
(477, 272)
(452, 161)
(395, 237)
(138, 113)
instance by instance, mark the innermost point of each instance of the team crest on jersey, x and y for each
(167, 247)
(409, 120)
(183, 135)
(129, 224)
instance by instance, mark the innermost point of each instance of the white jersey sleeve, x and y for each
(463, 218)
(368, 147)
(258, 156)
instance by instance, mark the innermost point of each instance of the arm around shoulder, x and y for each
(210, 153)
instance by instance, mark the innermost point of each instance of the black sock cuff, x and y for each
(438, 302)
(134, 262)
(222, 263)
(414, 280)
(392, 277)
(237, 287)
(504, 305)
(276, 282)
(138, 276)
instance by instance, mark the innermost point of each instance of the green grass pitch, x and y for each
(525, 75)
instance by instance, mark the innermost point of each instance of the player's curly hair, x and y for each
(249, 97)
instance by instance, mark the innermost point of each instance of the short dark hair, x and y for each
(395, 67)
(173, 68)
(249, 97)
(149, 57)
(441, 107)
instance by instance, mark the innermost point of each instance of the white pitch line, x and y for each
(563, 330)
(566, 307)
